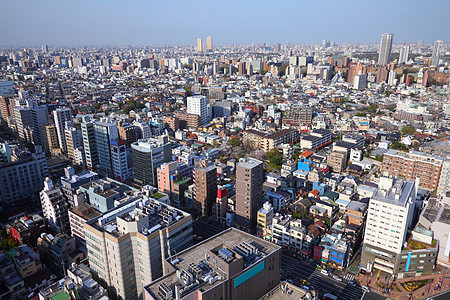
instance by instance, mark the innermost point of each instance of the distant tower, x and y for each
(209, 45)
(437, 48)
(199, 45)
(404, 53)
(44, 49)
(385, 49)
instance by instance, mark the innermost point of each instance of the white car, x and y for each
(336, 277)
(366, 288)
(324, 272)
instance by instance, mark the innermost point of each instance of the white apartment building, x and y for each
(198, 105)
(128, 244)
(389, 216)
(54, 206)
(61, 116)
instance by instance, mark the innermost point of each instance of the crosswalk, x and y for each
(349, 277)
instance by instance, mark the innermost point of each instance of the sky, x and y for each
(28, 23)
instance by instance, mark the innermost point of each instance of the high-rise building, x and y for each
(209, 44)
(249, 182)
(61, 116)
(199, 45)
(205, 188)
(436, 55)
(54, 207)
(198, 105)
(414, 165)
(241, 68)
(22, 178)
(240, 266)
(105, 132)
(74, 139)
(404, 53)
(119, 160)
(52, 139)
(384, 55)
(44, 48)
(147, 156)
(390, 215)
(128, 244)
(89, 143)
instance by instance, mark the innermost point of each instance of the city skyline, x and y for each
(182, 22)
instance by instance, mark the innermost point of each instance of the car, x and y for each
(336, 277)
(306, 288)
(366, 288)
(352, 283)
(324, 272)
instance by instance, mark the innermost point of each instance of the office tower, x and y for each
(44, 49)
(54, 207)
(104, 133)
(89, 143)
(39, 118)
(241, 266)
(277, 47)
(209, 45)
(119, 160)
(360, 81)
(147, 156)
(414, 165)
(74, 139)
(436, 55)
(61, 116)
(128, 244)
(404, 53)
(77, 62)
(325, 43)
(390, 215)
(197, 105)
(249, 182)
(384, 55)
(205, 188)
(199, 45)
(22, 178)
(24, 121)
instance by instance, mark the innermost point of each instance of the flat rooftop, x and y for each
(398, 194)
(226, 242)
(85, 211)
(285, 291)
(150, 214)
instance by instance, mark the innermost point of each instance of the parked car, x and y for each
(324, 272)
(336, 277)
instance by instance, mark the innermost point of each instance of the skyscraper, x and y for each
(197, 105)
(385, 48)
(404, 53)
(44, 49)
(249, 182)
(209, 45)
(89, 143)
(105, 132)
(199, 45)
(436, 55)
(54, 206)
(61, 116)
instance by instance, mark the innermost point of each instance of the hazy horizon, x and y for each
(29, 23)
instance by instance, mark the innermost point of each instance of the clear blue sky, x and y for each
(181, 22)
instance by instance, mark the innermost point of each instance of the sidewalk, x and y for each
(401, 293)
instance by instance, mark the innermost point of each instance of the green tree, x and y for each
(372, 108)
(215, 143)
(275, 156)
(399, 146)
(407, 129)
(234, 142)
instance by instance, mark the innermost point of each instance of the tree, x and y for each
(234, 142)
(399, 146)
(275, 156)
(407, 129)
(215, 143)
(372, 108)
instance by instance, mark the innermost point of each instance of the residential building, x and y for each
(436, 55)
(230, 265)
(249, 182)
(119, 161)
(265, 142)
(317, 139)
(22, 178)
(104, 133)
(128, 244)
(209, 44)
(337, 161)
(205, 188)
(74, 140)
(52, 144)
(89, 143)
(412, 165)
(384, 56)
(61, 116)
(78, 215)
(197, 105)
(54, 206)
(404, 53)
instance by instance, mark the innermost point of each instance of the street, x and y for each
(295, 270)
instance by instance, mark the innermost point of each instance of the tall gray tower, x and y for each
(385, 49)
(437, 48)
